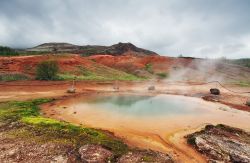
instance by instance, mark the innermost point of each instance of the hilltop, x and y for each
(87, 50)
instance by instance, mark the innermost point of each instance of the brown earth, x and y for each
(177, 69)
(27, 64)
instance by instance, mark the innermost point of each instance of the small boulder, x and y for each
(94, 153)
(151, 88)
(143, 74)
(215, 91)
(71, 90)
(248, 102)
(116, 88)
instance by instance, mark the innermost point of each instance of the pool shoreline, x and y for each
(172, 142)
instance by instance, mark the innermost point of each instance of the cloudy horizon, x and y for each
(197, 28)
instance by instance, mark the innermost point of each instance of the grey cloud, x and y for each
(201, 28)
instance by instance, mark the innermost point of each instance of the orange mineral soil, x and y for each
(163, 133)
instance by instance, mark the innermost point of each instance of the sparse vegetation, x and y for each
(13, 77)
(98, 73)
(47, 70)
(93, 76)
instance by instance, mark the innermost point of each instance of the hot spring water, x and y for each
(146, 106)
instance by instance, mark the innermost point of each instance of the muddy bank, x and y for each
(222, 143)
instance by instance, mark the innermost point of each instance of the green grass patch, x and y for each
(242, 83)
(98, 73)
(95, 77)
(42, 130)
(13, 77)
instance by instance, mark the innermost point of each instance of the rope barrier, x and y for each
(219, 84)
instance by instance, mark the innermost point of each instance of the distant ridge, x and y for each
(87, 50)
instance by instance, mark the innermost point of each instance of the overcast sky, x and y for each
(200, 28)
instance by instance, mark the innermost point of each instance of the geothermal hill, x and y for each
(115, 50)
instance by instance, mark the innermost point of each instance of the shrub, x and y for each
(47, 70)
(162, 75)
(149, 67)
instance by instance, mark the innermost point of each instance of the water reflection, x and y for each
(144, 105)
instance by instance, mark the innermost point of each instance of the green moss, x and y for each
(40, 129)
(148, 158)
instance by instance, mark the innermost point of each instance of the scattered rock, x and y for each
(222, 143)
(142, 73)
(215, 91)
(17, 150)
(145, 156)
(248, 102)
(71, 90)
(116, 88)
(213, 98)
(94, 153)
(151, 88)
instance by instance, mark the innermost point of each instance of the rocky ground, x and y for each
(19, 150)
(222, 143)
